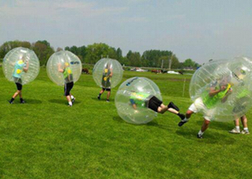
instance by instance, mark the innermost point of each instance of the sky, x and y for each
(195, 29)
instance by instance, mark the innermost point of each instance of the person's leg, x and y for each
(172, 109)
(108, 94)
(18, 92)
(99, 95)
(71, 96)
(189, 112)
(21, 98)
(162, 109)
(245, 125)
(236, 130)
(203, 128)
(67, 93)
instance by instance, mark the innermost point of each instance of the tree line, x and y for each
(90, 54)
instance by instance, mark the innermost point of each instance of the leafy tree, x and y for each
(7, 46)
(43, 51)
(97, 51)
(153, 57)
(134, 58)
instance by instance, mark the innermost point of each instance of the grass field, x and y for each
(45, 138)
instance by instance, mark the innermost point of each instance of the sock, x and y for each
(185, 119)
(246, 129)
(72, 97)
(70, 103)
(182, 116)
(200, 133)
(21, 99)
(99, 95)
(237, 128)
(12, 99)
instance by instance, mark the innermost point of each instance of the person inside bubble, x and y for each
(68, 77)
(106, 81)
(20, 66)
(217, 91)
(145, 100)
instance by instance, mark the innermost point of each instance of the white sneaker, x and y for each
(235, 131)
(244, 132)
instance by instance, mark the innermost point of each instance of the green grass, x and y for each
(45, 138)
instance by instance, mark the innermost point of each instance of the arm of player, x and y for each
(224, 99)
(27, 66)
(133, 103)
(59, 68)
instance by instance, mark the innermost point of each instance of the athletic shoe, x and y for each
(11, 102)
(22, 102)
(244, 132)
(70, 105)
(182, 122)
(73, 100)
(98, 97)
(199, 136)
(172, 105)
(107, 100)
(235, 131)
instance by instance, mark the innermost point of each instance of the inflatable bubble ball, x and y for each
(107, 73)
(21, 65)
(222, 89)
(132, 100)
(64, 60)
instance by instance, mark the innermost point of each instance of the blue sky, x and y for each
(196, 29)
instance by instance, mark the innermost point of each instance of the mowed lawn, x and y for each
(45, 138)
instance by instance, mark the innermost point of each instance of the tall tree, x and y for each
(134, 58)
(43, 51)
(97, 51)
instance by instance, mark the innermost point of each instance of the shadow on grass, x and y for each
(33, 101)
(209, 137)
(118, 119)
(62, 101)
(151, 124)
(219, 125)
(102, 99)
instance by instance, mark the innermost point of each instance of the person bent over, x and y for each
(218, 92)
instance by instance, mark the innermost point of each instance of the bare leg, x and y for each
(99, 96)
(101, 91)
(244, 121)
(68, 97)
(108, 94)
(205, 125)
(20, 94)
(17, 93)
(162, 109)
(236, 122)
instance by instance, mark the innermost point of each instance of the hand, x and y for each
(136, 111)
(223, 88)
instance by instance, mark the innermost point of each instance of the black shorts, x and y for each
(154, 103)
(106, 89)
(19, 86)
(67, 88)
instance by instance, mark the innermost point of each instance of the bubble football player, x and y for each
(240, 104)
(145, 100)
(106, 83)
(68, 77)
(218, 91)
(244, 121)
(19, 67)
